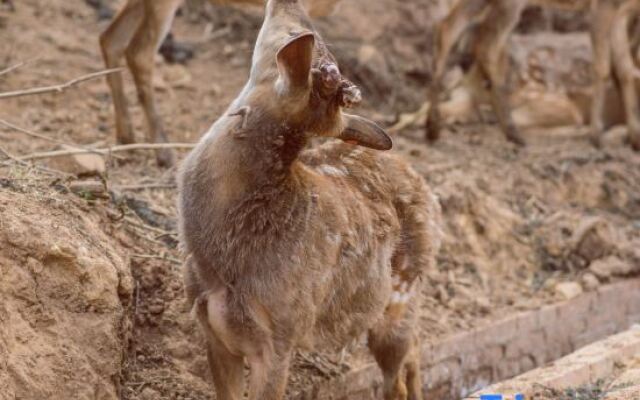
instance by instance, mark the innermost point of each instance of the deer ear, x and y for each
(361, 131)
(294, 60)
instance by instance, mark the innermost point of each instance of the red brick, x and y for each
(526, 344)
(508, 369)
(452, 347)
(527, 322)
(503, 331)
(443, 372)
(527, 363)
(548, 315)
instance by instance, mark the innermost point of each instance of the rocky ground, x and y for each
(91, 302)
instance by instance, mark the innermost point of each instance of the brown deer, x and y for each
(290, 248)
(613, 60)
(496, 20)
(136, 32)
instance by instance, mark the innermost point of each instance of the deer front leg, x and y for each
(269, 372)
(227, 369)
(113, 42)
(493, 60)
(465, 14)
(158, 16)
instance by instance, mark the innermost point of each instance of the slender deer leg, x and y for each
(227, 369)
(412, 365)
(269, 373)
(391, 340)
(492, 58)
(602, 16)
(465, 14)
(113, 42)
(158, 16)
(625, 69)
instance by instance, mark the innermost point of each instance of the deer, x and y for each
(613, 60)
(496, 20)
(290, 244)
(135, 33)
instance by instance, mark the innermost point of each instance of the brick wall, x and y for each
(587, 365)
(464, 363)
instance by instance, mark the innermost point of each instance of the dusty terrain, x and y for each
(91, 302)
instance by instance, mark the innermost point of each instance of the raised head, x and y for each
(295, 84)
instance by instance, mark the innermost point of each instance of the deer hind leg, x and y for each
(227, 369)
(236, 334)
(113, 42)
(601, 23)
(392, 341)
(625, 71)
(158, 16)
(462, 17)
(493, 60)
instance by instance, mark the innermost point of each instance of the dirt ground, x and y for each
(91, 302)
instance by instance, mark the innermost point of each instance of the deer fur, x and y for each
(291, 248)
(136, 33)
(496, 20)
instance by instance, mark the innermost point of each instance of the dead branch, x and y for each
(157, 257)
(156, 186)
(43, 137)
(17, 160)
(16, 66)
(108, 150)
(147, 227)
(59, 88)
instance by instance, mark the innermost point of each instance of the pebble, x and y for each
(568, 290)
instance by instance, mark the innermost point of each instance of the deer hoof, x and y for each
(432, 130)
(595, 141)
(514, 137)
(165, 158)
(635, 142)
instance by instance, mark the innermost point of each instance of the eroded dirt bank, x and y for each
(91, 287)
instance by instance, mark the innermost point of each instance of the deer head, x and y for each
(295, 84)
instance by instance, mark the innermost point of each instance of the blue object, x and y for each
(492, 397)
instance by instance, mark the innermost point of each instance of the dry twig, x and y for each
(108, 150)
(16, 66)
(146, 186)
(43, 137)
(17, 160)
(157, 257)
(58, 88)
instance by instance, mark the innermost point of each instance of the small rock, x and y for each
(593, 239)
(590, 281)
(149, 394)
(78, 164)
(611, 266)
(178, 76)
(568, 290)
(93, 189)
(156, 308)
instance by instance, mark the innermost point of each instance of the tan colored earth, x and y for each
(91, 302)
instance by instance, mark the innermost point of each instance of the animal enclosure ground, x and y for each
(519, 223)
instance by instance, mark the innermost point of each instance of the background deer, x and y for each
(136, 32)
(288, 248)
(496, 20)
(613, 60)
